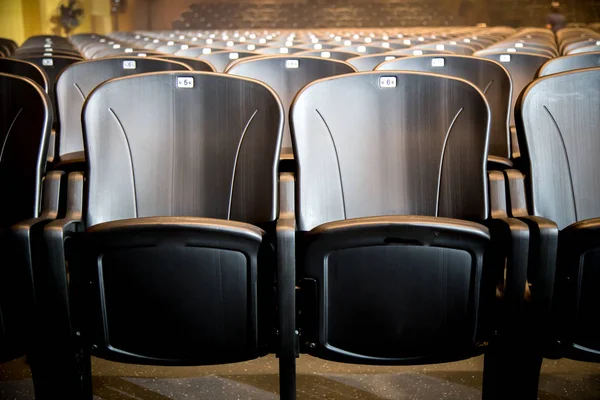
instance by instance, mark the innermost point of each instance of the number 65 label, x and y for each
(185, 82)
(387, 81)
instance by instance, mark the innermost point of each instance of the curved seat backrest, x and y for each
(585, 49)
(78, 80)
(570, 63)
(368, 63)
(489, 76)
(25, 69)
(193, 63)
(559, 139)
(287, 75)
(222, 59)
(25, 126)
(52, 66)
(522, 68)
(330, 54)
(366, 147)
(163, 144)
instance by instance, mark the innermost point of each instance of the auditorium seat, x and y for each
(581, 43)
(52, 66)
(280, 50)
(362, 49)
(25, 123)
(10, 44)
(585, 49)
(489, 76)
(287, 76)
(390, 214)
(74, 85)
(418, 52)
(459, 49)
(570, 63)
(330, 54)
(203, 271)
(368, 63)
(557, 120)
(193, 63)
(24, 69)
(222, 59)
(522, 68)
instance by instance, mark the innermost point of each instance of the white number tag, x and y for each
(234, 56)
(512, 50)
(406, 41)
(47, 62)
(387, 81)
(184, 47)
(325, 54)
(284, 50)
(505, 58)
(361, 49)
(251, 47)
(292, 63)
(439, 47)
(318, 46)
(206, 50)
(185, 82)
(437, 62)
(389, 58)
(129, 64)
(417, 52)
(518, 44)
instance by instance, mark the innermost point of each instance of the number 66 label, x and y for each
(387, 81)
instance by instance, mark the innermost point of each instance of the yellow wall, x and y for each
(11, 20)
(20, 19)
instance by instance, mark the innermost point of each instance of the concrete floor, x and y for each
(317, 379)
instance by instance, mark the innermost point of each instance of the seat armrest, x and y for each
(288, 345)
(510, 242)
(56, 234)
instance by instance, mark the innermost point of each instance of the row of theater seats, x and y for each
(181, 218)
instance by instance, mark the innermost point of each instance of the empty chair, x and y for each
(368, 63)
(287, 76)
(522, 68)
(362, 49)
(25, 124)
(453, 48)
(330, 54)
(78, 80)
(418, 52)
(558, 123)
(10, 44)
(585, 49)
(489, 76)
(24, 69)
(569, 63)
(582, 43)
(29, 52)
(222, 59)
(52, 66)
(280, 50)
(203, 271)
(528, 50)
(391, 212)
(193, 63)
